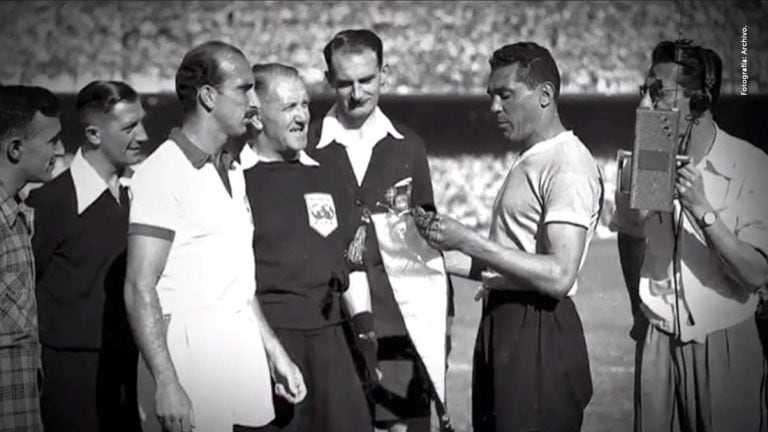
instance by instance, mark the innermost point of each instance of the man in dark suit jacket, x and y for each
(373, 154)
(81, 227)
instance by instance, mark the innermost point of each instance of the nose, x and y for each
(495, 104)
(141, 133)
(253, 100)
(646, 101)
(58, 148)
(357, 90)
(302, 115)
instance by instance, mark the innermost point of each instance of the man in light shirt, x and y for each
(531, 368)
(696, 270)
(190, 286)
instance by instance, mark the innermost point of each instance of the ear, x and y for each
(207, 97)
(546, 94)
(14, 149)
(93, 135)
(384, 74)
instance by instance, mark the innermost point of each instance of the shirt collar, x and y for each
(546, 144)
(11, 208)
(376, 127)
(196, 156)
(88, 183)
(249, 157)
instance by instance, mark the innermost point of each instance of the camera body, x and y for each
(650, 180)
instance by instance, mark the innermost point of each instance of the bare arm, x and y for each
(552, 272)
(147, 257)
(289, 380)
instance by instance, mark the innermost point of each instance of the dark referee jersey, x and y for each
(299, 242)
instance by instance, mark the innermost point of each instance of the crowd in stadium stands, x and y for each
(432, 47)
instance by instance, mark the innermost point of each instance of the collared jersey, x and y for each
(179, 196)
(207, 286)
(735, 175)
(301, 235)
(554, 181)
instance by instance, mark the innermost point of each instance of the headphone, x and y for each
(701, 100)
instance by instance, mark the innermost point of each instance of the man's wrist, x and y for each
(166, 378)
(705, 216)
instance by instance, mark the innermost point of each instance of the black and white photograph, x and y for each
(383, 216)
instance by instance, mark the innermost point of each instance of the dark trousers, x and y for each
(531, 368)
(404, 392)
(89, 390)
(335, 400)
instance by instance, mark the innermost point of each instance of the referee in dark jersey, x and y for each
(299, 246)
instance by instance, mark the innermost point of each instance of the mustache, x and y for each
(357, 102)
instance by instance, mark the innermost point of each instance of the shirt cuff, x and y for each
(151, 231)
(566, 216)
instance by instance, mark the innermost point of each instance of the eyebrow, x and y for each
(363, 79)
(131, 125)
(55, 137)
(498, 90)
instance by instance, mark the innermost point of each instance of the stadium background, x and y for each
(437, 53)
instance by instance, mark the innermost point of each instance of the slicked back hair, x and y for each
(201, 66)
(102, 96)
(264, 73)
(354, 41)
(535, 64)
(19, 104)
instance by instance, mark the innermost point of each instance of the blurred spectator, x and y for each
(601, 46)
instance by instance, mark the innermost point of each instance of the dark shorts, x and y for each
(404, 391)
(335, 400)
(531, 368)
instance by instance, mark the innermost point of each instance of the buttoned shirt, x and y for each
(359, 142)
(18, 307)
(706, 297)
(19, 346)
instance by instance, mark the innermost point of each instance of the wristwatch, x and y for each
(708, 219)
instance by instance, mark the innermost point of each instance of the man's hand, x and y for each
(174, 409)
(289, 382)
(441, 232)
(690, 190)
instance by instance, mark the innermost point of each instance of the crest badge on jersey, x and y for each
(321, 211)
